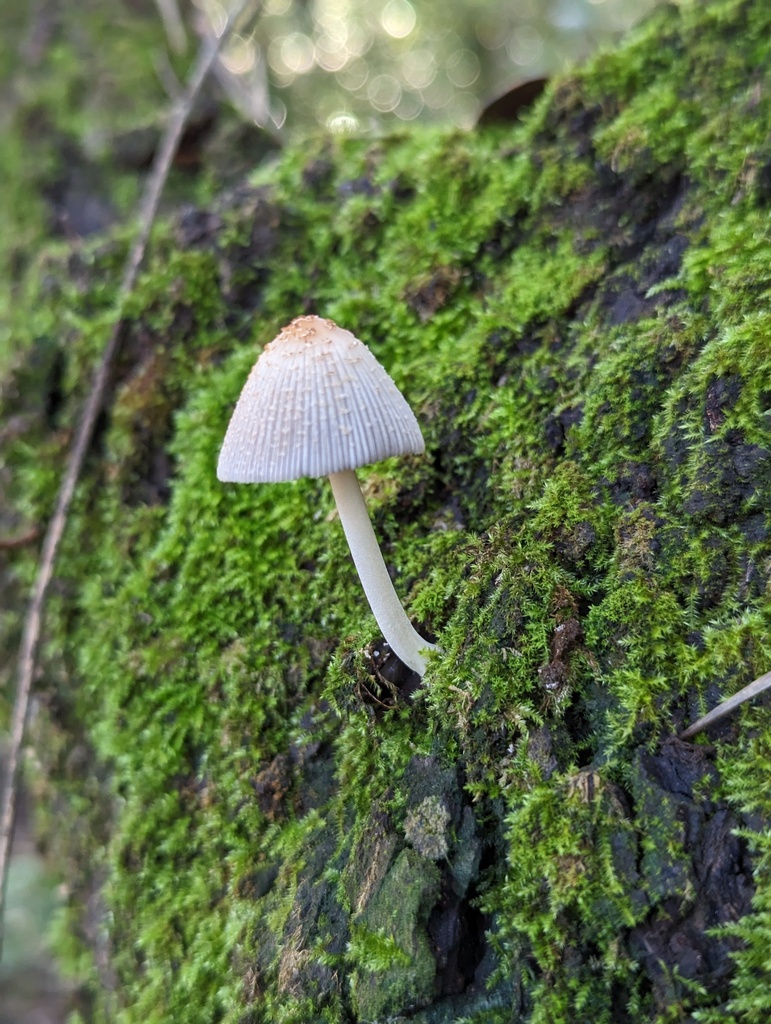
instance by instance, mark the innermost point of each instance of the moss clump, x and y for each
(572, 890)
(575, 306)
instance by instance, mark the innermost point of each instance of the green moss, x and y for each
(571, 855)
(749, 1002)
(575, 307)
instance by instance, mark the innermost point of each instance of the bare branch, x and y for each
(173, 24)
(180, 113)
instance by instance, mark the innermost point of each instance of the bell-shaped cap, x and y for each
(316, 402)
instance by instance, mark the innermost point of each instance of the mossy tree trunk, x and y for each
(261, 817)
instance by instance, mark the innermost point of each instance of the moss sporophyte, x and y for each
(318, 403)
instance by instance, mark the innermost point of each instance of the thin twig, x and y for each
(180, 113)
(173, 24)
(747, 693)
(166, 76)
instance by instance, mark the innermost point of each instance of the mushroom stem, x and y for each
(405, 642)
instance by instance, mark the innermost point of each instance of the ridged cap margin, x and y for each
(316, 402)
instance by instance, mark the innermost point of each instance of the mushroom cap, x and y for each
(316, 402)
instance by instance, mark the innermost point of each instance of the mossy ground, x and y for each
(577, 308)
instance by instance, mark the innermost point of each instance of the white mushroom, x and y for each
(318, 403)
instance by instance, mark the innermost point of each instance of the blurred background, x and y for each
(357, 66)
(85, 87)
(300, 64)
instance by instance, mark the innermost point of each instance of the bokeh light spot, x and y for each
(330, 55)
(297, 53)
(342, 123)
(216, 13)
(410, 106)
(465, 110)
(354, 75)
(384, 93)
(438, 93)
(418, 68)
(491, 32)
(398, 18)
(278, 112)
(275, 60)
(463, 68)
(360, 39)
(240, 56)
(569, 16)
(332, 20)
(525, 45)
